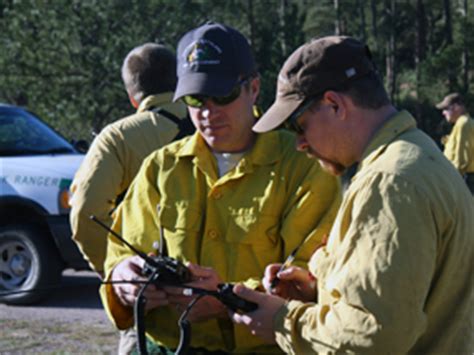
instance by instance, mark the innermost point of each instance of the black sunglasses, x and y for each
(198, 101)
(291, 123)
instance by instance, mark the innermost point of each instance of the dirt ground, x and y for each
(70, 321)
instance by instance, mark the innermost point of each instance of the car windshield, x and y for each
(21, 133)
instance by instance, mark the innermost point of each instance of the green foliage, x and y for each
(62, 58)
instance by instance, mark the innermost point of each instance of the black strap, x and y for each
(185, 125)
(139, 314)
(184, 337)
(185, 128)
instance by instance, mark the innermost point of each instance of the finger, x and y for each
(155, 293)
(153, 297)
(294, 273)
(272, 269)
(271, 284)
(137, 263)
(126, 294)
(270, 275)
(125, 288)
(127, 271)
(179, 299)
(151, 304)
(201, 271)
(276, 289)
(241, 319)
(156, 300)
(176, 291)
(248, 294)
(179, 295)
(127, 300)
(266, 282)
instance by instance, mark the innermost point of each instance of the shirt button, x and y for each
(212, 234)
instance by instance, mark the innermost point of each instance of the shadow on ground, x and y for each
(75, 292)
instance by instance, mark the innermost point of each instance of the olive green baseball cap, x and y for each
(451, 99)
(317, 66)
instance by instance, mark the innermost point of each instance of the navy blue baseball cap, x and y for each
(211, 60)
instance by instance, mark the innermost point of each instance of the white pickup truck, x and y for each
(37, 166)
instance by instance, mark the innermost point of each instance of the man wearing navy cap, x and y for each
(228, 201)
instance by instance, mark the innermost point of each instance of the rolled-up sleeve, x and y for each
(135, 221)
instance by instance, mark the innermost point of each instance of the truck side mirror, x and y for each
(80, 145)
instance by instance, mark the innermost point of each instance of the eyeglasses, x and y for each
(291, 123)
(198, 101)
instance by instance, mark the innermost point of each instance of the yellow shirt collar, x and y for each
(397, 124)
(262, 153)
(164, 101)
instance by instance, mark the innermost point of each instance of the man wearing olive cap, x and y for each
(396, 273)
(228, 199)
(459, 145)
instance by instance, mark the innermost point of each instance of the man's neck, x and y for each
(227, 161)
(371, 121)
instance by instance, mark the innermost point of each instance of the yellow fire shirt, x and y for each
(459, 147)
(396, 274)
(109, 167)
(253, 215)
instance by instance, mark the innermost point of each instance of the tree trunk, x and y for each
(337, 24)
(420, 40)
(448, 25)
(360, 7)
(465, 52)
(251, 21)
(283, 35)
(448, 28)
(390, 50)
(373, 11)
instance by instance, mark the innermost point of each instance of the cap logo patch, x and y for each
(202, 52)
(350, 72)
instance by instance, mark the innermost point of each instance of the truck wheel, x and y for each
(29, 262)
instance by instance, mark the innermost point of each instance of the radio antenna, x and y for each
(116, 235)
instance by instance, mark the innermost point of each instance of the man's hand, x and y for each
(130, 269)
(260, 321)
(207, 307)
(295, 283)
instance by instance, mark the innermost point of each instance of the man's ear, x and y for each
(133, 101)
(336, 102)
(255, 88)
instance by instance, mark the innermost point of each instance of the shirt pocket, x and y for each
(259, 232)
(181, 229)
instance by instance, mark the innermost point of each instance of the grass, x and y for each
(55, 337)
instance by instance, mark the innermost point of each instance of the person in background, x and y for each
(113, 160)
(459, 144)
(396, 273)
(225, 199)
